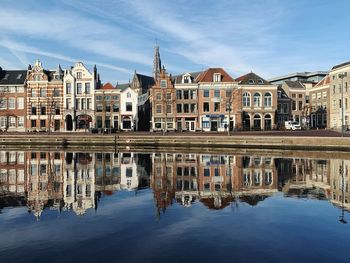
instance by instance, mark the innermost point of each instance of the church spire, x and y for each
(157, 64)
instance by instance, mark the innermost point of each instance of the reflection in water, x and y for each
(68, 181)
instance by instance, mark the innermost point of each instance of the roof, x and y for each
(294, 84)
(252, 79)
(12, 77)
(207, 75)
(305, 74)
(326, 80)
(194, 75)
(145, 81)
(123, 86)
(341, 65)
(107, 86)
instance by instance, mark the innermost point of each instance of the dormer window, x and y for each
(79, 75)
(260, 81)
(250, 81)
(217, 77)
(186, 78)
(19, 76)
(36, 77)
(7, 76)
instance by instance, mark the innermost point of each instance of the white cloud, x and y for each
(17, 48)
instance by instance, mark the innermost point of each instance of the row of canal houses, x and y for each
(74, 99)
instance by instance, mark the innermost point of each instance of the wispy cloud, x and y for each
(17, 48)
(69, 29)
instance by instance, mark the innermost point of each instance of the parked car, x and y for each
(292, 125)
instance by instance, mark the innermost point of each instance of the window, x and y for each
(294, 106)
(158, 96)
(68, 88)
(20, 121)
(300, 105)
(257, 101)
(33, 93)
(43, 110)
(3, 103)
(99, 107)
(163, 83)
(217, 93)
(168, 96)
(186, 94)
(246, 99)
(267, 100)
(79, 88)
(228, 93)
(128, 95)
(179, 94)
(300, 96)
(88, 105)
(217, 77)
(128, 106)
(79, 75)
(179, 108)
(217, 106)
(67, 104)
(56, 92)
(12, 103)
(33, 123)
(168, 109)
(206, 93)
(206, 107)
(159, 108)
(250, 81)
(206, 172)
(186, 108)
(193, 108)
(42, 92)
(12, 122)
(33, 110)
(42, 123)
(87, 88)
(116, 107)
(36, 77)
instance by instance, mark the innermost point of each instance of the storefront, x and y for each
(214, 122)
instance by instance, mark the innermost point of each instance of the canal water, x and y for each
(173, 207)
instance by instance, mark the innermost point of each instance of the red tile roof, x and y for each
(207, 75)
(107, 86)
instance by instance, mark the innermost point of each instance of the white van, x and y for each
(292, 125)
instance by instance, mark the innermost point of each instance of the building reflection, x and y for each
(76, 181)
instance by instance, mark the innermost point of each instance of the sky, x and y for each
(268, 37)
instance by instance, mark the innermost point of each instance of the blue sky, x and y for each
(270, 37)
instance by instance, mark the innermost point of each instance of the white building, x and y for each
(79, 105)
(128, 109)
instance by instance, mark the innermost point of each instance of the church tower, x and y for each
(157, 64)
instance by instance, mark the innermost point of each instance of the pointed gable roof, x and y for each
(207, 75)
(252, 79)
(107, 86)
(194, 75)
(326, 80)
(145, 81)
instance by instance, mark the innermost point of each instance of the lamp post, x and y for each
(342, 76)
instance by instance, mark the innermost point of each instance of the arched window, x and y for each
(257, 122)
(257, 100)
(268, 122)
(246, 99)
(268, 100)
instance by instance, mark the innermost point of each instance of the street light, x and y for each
(342, 76)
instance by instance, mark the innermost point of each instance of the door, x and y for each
(214, 126)
(57, 125)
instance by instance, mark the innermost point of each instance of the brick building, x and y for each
(12, 100)
(319, 104)
(259, 102)
(44, 97)
(163, 103)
